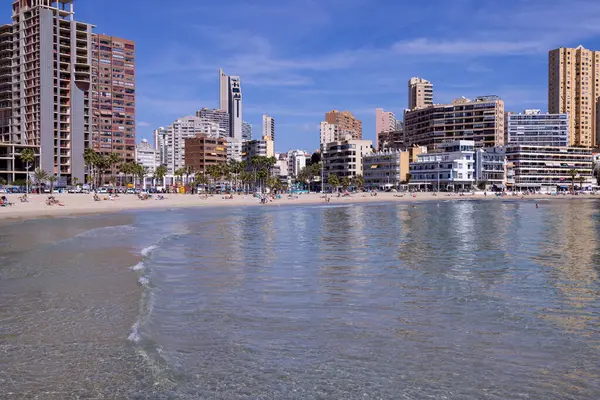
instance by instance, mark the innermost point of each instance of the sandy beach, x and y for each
(84, 204)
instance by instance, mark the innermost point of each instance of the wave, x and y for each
(106, 231)
(148, 250)
(134, 336)
(138, 267)
(144, 281)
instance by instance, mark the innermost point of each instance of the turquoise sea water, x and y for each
(449, 300)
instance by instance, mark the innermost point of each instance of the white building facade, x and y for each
(490, 167)
(451, 169)
(547, 168)
(345, 159)
(382, 169)
(532, 128)
(146, 155)
(268, 127)
(296, 160)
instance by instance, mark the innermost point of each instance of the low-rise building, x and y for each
(547, 168)
(452, 168)
(388, 169)
(345, 159)
(234, 149)
(490, 168)
(532, 128)
(202, 151)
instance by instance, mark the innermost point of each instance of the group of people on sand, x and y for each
(53, 201)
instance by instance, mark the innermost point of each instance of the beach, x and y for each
(84, 204)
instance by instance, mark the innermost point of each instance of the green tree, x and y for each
(179, 173)
(140, 172)
(201, 179)
(90, 158)
(113, 159)
(345, 182)
(40, 176)
(27, 156)
(52, 179)
(359, 181)
(160, 174)
(75, 181)
(333, 180)
(214, 171)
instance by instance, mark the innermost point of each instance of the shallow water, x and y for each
(456, 300)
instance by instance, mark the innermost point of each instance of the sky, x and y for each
(298, 59)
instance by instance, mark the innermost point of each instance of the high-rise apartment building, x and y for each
(385, 121)
(268, 127)
(296, 161)
(51, 76)
(172, 144)
(113, 96)
(246, 131)
(253, 148)
(573, 78)
(220, 117)
(532, 128)
(420, 93)
(480, 120)
(345, 121)
(146, 155)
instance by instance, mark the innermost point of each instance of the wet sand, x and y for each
(81, 204)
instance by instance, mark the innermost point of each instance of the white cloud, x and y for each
(143, 124)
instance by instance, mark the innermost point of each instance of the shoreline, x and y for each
(84, 205)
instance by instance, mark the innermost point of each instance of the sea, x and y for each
(448, 299)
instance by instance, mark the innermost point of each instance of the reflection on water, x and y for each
(455, 300)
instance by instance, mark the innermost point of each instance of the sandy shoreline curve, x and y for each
(84, 204)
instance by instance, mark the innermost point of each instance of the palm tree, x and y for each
(140, 171)
(345, 182)
(113, 159)
(51, 180)
(90, 157)
(333, 180)
(246, 178)
(189, 170)
(359, 181)
(160, 174)
(179, 174)
(573, 173)
(201, 179)
(40, 177)
(28, 157)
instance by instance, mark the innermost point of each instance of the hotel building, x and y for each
(573, 79)
(202, 151)
(345, 159)
(345, 122)
(46, 106)
(546, 168)
(490, 167)
(113, 96)
(420, 93)
(387, 169)
(537, 129)
(453, 168)
(480, 120)
(230, 100)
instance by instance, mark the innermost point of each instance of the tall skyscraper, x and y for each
(235, 107)
(230, 99)
(345, 121)
(223, 91)
(268, 127)
(51, 77)
(113, 96)
(246, 131)
(385, 121)
(573, 76)
(420, 93)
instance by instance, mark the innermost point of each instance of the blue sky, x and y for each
(300, 58)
